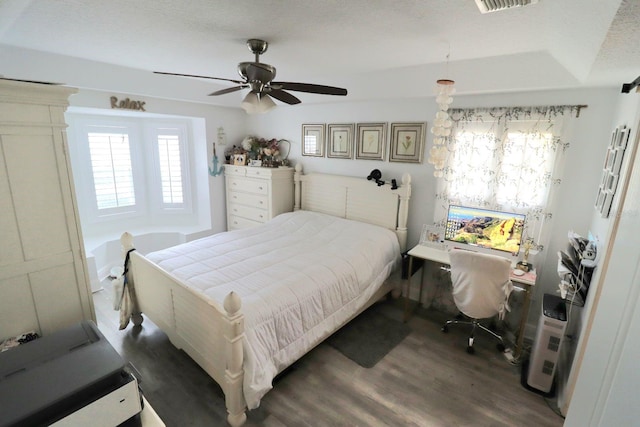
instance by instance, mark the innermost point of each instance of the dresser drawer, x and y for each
(255, 214)
(248, 185)
(259, 172)
(235, 170)
(237, 222)
(255, 200)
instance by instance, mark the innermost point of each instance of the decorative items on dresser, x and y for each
(256, 194)
(44, 283)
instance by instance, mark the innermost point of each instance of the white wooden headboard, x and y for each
(355, 198)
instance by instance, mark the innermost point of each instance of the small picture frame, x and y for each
(432, 236)
(407, 142)
(612, 183)
(606, 204)
(610, 160)
(313, 140)
(340, 141)
(621, 142)
(617, 162)
(255, 163)
(239, 159)
(614, 138)
(600, 199)
(371, 141)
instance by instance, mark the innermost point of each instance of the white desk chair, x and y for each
(481, 289)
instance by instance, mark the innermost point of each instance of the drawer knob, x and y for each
(260, 188)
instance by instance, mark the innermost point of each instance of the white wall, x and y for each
(603, 382)
(575, 199)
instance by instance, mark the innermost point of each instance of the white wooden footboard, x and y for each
(211, 335)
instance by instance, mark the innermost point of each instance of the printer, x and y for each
(72, 377)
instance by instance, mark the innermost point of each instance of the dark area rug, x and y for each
(369, 337)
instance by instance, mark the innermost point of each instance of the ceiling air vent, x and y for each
(487, 6)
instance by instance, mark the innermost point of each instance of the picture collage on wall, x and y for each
(365, 141)
(611, 170)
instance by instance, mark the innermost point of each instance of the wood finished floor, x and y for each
(427, 380)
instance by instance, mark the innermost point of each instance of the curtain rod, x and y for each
(576, 107)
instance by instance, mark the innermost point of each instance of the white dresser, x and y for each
(255, 194)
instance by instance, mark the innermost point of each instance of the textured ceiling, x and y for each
(376, 49)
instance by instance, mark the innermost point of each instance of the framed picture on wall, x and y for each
(407, 142)
(600, 199)
(313, 140)
(621, 142)
(614, 138)
(371, 141)
(340, 141)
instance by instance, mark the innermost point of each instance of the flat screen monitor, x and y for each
(485, 228)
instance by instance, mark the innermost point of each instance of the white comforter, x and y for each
(299, 276)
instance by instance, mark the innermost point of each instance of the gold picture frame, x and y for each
(371, 141)
(407, 142)
(313, 140)
(340, 141)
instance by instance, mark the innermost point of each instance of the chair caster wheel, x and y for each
(470, 350)
(501, 348)
(445, 329)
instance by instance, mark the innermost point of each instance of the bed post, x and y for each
(126, 241)
(234, 374)
(297, 189)
(403, 211)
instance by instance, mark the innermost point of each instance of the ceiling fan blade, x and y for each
(199, 77)
(284, 96)
(29, 81)
(227, 90)
(311, 88)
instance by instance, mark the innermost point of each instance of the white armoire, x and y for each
(43, 276)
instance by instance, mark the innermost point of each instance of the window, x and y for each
(112, 170)
(170, 148)
(508, 168)
(170, 169)
(131, 167)
(507, 159)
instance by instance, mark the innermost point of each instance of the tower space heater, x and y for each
(546, 349)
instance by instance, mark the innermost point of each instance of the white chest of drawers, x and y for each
(255, 195)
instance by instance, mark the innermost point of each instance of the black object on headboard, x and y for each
(626, 87)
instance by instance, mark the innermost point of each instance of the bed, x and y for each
(248, 303)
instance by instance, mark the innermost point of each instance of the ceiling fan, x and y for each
(259, 76)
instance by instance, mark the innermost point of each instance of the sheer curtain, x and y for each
(509, 159)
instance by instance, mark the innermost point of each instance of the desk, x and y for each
(429, 253)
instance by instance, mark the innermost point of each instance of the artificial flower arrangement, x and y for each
(265, 150)
(258, 148)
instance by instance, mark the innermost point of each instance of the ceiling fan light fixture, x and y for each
(266, 104)
(254, 104)
(250, 103)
